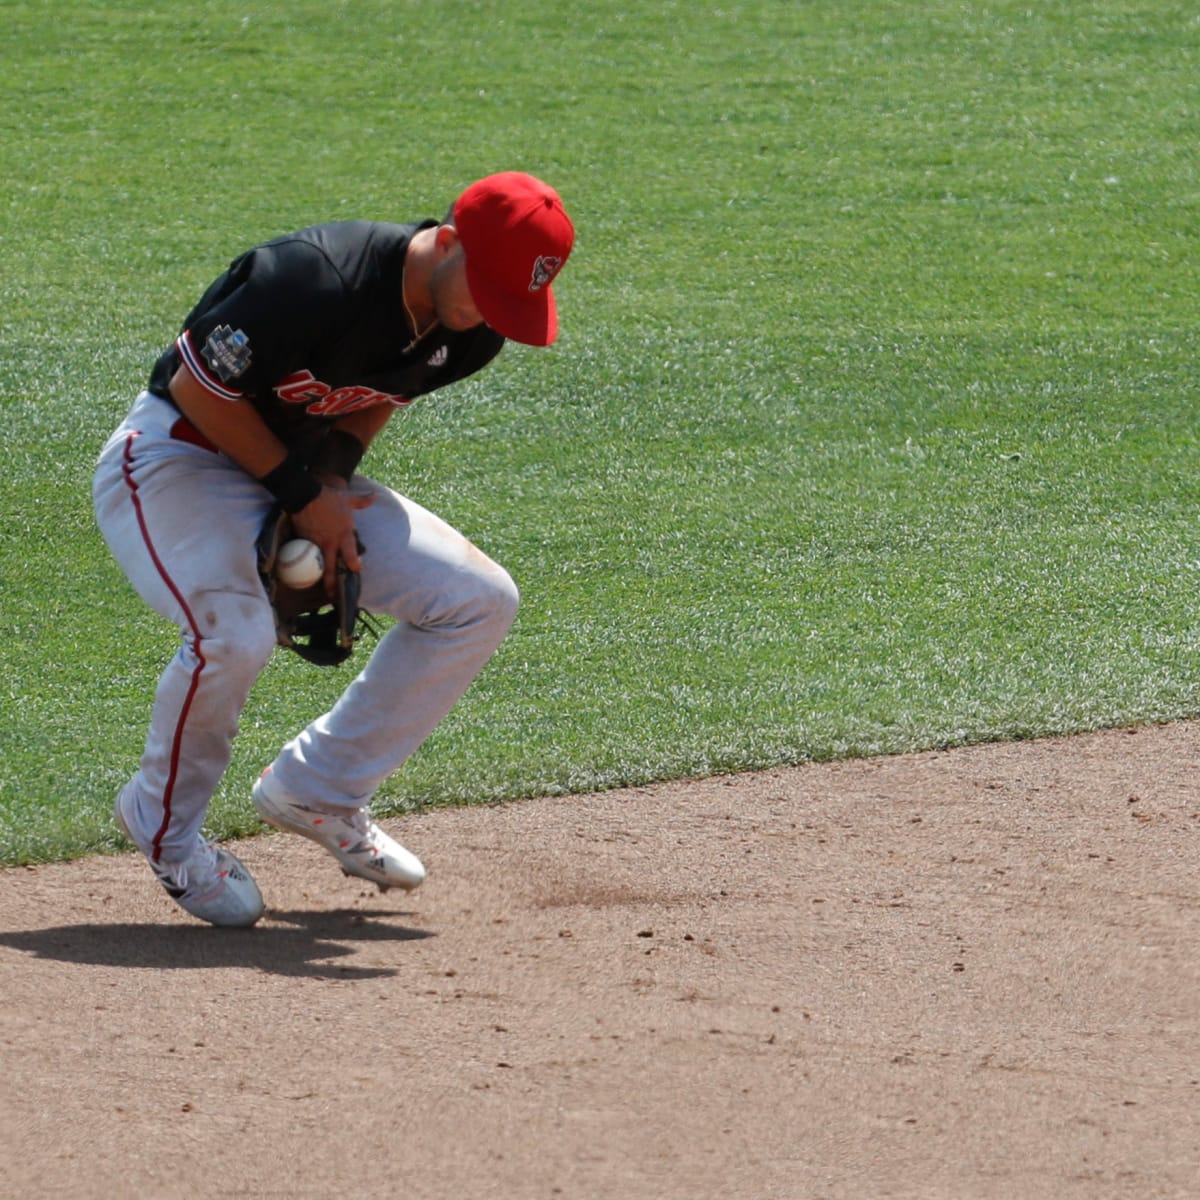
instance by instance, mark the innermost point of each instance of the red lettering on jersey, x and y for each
(301, 388)
(344, 400)
(324, 401)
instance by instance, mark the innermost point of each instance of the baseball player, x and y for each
(287, 368)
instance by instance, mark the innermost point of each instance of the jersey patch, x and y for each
(227, 352)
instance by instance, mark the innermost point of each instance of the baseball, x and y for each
(300, 563)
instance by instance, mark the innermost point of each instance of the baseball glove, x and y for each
(319, 629)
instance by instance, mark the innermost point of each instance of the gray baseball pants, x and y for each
(182, 520)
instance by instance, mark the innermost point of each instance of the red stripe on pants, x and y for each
(177, 740)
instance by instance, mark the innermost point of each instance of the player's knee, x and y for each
(237, 632)
(501, 599)
(483, 599)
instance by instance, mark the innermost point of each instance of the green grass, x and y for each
(871, 425)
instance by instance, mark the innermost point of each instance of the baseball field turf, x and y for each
(870, 427)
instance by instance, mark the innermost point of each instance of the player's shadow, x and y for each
(305, 945)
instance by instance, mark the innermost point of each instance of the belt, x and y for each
(184, 431)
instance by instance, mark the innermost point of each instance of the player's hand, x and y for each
(328, 520)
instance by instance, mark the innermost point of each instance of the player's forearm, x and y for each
(366, 423)
(339, 455)
(233, 426)
(237, 430)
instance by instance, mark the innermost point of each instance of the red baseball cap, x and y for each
(516, 236)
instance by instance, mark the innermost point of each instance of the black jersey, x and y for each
(312, 326)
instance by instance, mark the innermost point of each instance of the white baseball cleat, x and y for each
(362, 848)
(212, 883)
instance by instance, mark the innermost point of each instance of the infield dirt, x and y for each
(970, 973)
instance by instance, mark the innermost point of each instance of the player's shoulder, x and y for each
(349, 250)
(336, 239)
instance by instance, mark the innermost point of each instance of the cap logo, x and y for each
(544, 270)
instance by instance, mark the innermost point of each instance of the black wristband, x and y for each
(339, 454)
(291, 484)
